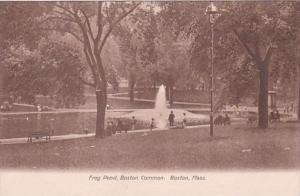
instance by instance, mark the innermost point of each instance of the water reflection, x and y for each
(19, 125)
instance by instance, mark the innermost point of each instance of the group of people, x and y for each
(113, 128)
(171, 120)
(289, 108)
(42, 108)
(222, 120)
(119, 126)
(6, 106)
(274, 115)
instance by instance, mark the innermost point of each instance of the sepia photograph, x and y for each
(130, 94)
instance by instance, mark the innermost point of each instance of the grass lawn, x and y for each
(236, 147)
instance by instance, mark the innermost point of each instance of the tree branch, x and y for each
(87, 44)
(99, 23)
(244, 43)
(107, 14)
(115, 23)
(65, 9)
(268, 54)
(88, 24)
(63, 14)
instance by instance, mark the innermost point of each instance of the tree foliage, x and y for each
(53, 69)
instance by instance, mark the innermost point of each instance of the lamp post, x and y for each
(213, 13)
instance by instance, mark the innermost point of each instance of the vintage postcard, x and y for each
(150, 98)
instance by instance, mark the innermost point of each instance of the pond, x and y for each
(63, 123)
(19, 125)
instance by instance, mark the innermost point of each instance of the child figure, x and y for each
(184, 121)
(133, 123)
(152, 124)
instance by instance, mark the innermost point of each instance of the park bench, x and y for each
(251, 119)
(39, 134)
(274, 117)
(222, 120)
(123, 127)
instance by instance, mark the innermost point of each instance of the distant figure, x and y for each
(110, 128)
(86, 131)
(252, 119)
(152, 124)
(272, 116)
(285, 111)
(133, 123)
(219, 120)
(292, 107)
(227, 120)
(277, 115)
(108, 107)
(119, 125)
(184, 121)
(39, 108)
(171, 119)
(6, 106)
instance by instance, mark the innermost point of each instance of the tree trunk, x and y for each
(167, 92)
(171, 96)
(154, 84)
(299, 100)
(100, 120)
(263, 121)
(131, 87)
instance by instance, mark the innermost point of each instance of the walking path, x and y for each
(76, 136)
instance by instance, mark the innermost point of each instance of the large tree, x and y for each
(246, 31)
(260, 29)
(257, 30)
(91, 24)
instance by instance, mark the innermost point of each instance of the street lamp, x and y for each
(213, 13)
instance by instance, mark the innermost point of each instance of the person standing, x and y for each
(120, 125)
(184, 121)
(152, 124)
(133, 123)
(171, 118)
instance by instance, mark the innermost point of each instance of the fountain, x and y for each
(161, 112)
(161, 107)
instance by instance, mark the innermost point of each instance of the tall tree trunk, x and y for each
(171, 96)
(131, 87)
(298, 113)
(263, 121)
(167, 92)
(298, 70)
(299, 100)
(101, 106)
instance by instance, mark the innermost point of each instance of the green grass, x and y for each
(274, 148)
